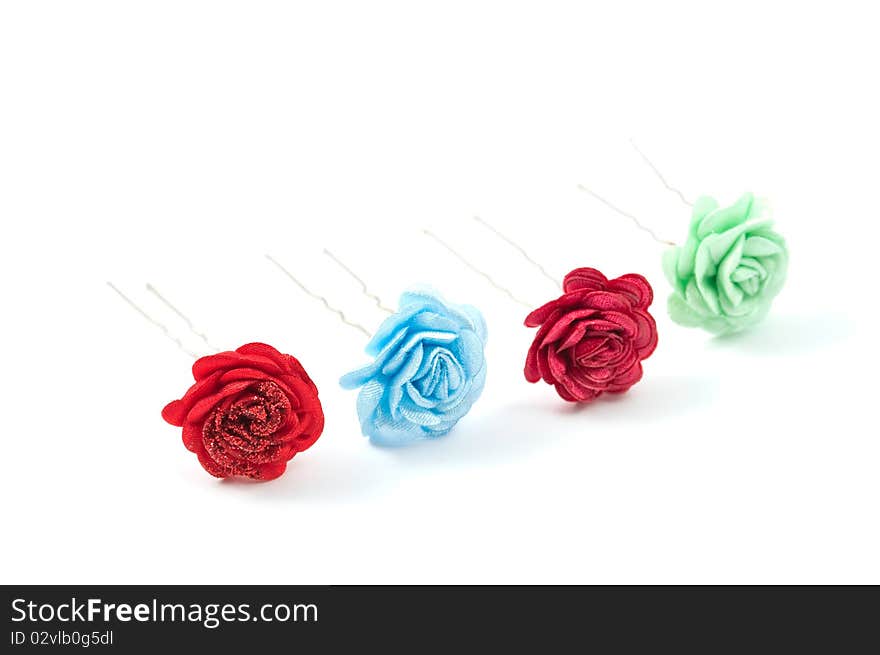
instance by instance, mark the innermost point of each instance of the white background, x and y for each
(178, 142)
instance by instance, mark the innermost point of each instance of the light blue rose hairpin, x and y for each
(429, 369)
(429, 366)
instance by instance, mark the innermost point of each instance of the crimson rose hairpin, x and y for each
(248, 412)
(592, 339)
(730, 267)
(428, 367)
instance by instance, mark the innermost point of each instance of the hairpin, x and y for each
(730, 267)
(593, 337)
(429, 364)
(249, 411)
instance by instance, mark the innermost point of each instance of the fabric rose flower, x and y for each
(593, 338)
(428, 371)
(729, 269)
(248, 413)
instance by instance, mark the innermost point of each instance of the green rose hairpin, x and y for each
(729, 269)
(731, 266)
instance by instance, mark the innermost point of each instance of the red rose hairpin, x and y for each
(248, 412)
(593, 338)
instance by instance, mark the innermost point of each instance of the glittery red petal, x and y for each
(268, 472)
(211, 466)
(192, 437)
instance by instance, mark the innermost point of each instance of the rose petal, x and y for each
(419, 399)
(726, 218)
(414, 342)
(761, 246)
(645, 340)
(176, 411)
(562, 324)
(622, 321)
(205, 366)
(264, 350)
(192, 437)
(370, 371)
(205, 405)
(558, 364)
(540, 315)
(566, 395)
(584, 278)
(574, 336)
(627, 378)
(604, 300)
(589, 347)
(213, 467)
(531, 370)
(636, 287)
(725, 270)
(544, 365)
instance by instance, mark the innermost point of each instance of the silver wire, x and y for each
(152, 320)
(314, 295)
(660, 175)
(488, 277)
(518, 247)
(620, 211)
(189, 324)
(364, 289)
